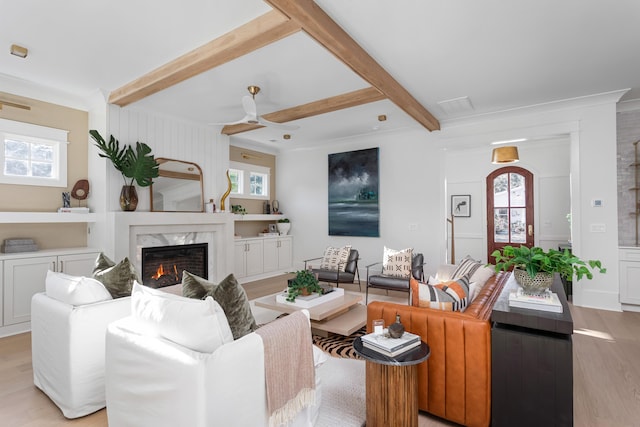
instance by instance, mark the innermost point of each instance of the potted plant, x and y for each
(137, 165)
(533, 268)
(284, 225)
(305, 283)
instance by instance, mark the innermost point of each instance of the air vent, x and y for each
(456, 106)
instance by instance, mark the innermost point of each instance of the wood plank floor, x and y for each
(606, 354)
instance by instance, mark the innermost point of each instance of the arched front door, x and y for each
(509, 208)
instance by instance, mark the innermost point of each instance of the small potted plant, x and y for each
(137, 165)
(305, 283)
(284, 225)
(533, 268)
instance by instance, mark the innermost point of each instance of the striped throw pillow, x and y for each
(467, 267)
(446, 296)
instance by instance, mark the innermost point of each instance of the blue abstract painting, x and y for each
(353, 193)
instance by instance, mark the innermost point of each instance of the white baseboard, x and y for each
(7, 331)
(597, 299)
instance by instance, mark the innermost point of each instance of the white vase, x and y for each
(284, 227)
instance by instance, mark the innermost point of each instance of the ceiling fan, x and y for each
(251, 113)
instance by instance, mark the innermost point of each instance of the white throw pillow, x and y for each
(335, 258)
(397, 263)
(75, 290)
(200, 325)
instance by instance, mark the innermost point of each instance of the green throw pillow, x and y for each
(231, 297)
(117, 278)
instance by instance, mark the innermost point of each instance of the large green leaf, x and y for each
(140, 164)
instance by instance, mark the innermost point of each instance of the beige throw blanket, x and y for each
(288, 365)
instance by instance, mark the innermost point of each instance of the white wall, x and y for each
(416, 169)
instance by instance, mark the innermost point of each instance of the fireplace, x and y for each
(163, 265)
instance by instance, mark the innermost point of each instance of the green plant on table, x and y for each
(534, 260)
(304, 283)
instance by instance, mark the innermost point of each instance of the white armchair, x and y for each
(151, 380)
(68, 347)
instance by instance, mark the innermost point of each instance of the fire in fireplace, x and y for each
(163, 265)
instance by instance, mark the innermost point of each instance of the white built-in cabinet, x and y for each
(258, 256)
(23, 275)
(277, 254)
(629, 275)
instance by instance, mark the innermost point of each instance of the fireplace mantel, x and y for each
(126, 227)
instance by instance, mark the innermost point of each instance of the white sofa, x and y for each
(152, 380)
(68, 348)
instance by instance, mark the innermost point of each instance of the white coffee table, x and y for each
(342, 316)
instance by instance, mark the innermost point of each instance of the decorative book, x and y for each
(385, 343)
(546, 301)
(392, 353)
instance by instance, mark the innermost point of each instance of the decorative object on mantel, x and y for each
(284, 225)
(137, 165)
(275, 206)
(19, 245)
(226, 194)
(534, 267)
(66, 199)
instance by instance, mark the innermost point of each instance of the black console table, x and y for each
(531, 363)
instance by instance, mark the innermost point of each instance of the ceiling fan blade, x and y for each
(245, 119)
(249, 105)
(264, 122)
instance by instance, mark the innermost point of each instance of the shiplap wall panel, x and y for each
(171, 138)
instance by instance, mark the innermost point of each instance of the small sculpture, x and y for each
(80, 190)
(396, 329)
(226, 194)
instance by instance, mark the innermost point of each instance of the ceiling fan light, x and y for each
(502, 155)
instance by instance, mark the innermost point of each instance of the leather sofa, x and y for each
(455, 382)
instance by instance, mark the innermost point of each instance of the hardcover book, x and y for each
(547, 301)
(386, 343)
(392, 353)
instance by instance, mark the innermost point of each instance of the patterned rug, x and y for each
(338, 345)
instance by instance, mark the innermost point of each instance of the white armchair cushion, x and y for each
(75, 290)
(199, 325)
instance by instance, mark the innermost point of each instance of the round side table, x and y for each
(392, 385)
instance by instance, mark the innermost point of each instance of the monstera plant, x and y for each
(137, 165)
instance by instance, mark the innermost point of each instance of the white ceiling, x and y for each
(501, 54)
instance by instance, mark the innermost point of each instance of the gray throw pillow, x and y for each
(231, 297)
(117, 278)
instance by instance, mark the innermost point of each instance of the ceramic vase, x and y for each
(396, 329)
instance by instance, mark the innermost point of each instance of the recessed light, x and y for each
(19, 51)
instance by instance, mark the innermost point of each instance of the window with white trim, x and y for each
(32, 154)
(249, 181)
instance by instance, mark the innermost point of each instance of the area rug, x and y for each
(339, 346)
(343, 393)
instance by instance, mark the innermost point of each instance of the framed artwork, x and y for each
(461, 205)
(353, 193)
(273, 228)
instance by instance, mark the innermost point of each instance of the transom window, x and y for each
(32, 155)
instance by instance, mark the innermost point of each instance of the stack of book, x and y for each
(73, 210)
(392, 347)
(547, 301)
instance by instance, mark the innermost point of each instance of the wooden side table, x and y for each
(392, 385)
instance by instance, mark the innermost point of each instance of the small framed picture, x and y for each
(273, 228)
(461, 205)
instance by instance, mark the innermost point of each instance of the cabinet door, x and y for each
(285, 253)
(255, 262)
(22, 279)
(77, 264)
(239, 259)
(271, 262)
(630, 282)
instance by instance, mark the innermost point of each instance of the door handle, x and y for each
(530, 230)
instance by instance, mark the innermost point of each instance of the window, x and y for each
(32, 155)
(257, 184)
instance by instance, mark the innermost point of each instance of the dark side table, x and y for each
(392, 385)
(531, 363)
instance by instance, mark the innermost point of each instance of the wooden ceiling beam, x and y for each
(315, 22)
(327, 105)
(266, 29)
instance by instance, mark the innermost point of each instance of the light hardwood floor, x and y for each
(606, 354)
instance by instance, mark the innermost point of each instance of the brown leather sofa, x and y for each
(455, 382)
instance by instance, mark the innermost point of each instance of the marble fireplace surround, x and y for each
(134, 230)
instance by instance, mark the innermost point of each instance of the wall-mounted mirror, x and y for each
(178, 187)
